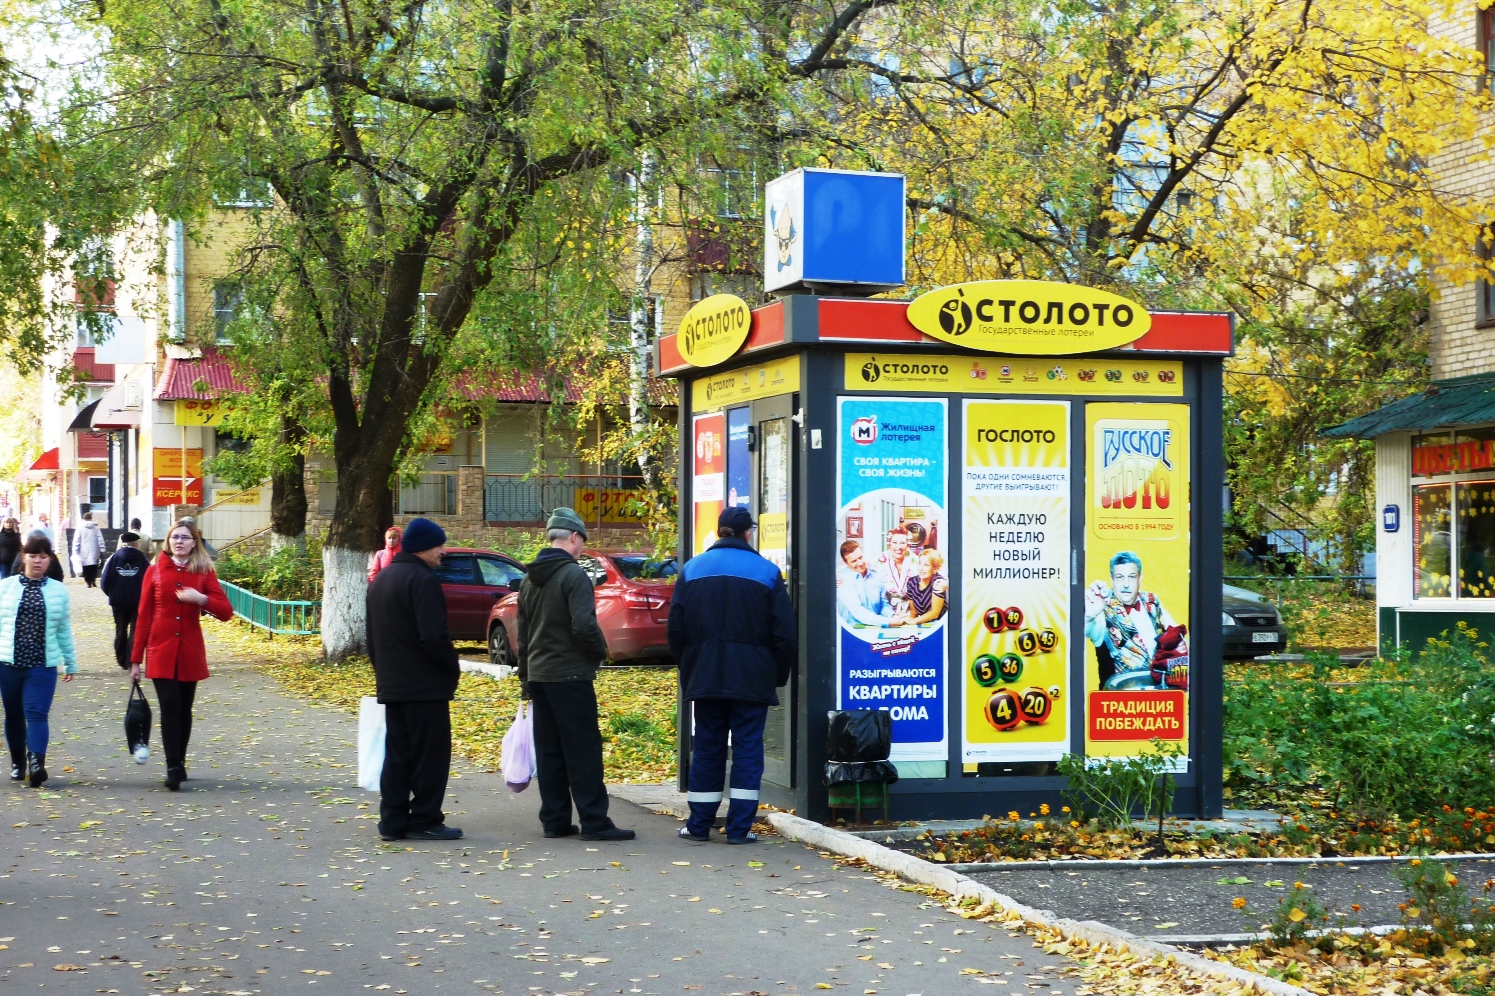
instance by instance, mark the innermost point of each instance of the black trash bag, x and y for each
(860, 772)
(137, 720)
(859, 735)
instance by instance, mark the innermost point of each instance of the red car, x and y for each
(633, 605)
(473, 581)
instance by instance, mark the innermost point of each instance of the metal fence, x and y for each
(529, 498)
(285, 618)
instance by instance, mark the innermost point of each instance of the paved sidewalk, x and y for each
(265, 874)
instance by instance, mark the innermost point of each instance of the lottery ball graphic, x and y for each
(1003, 710)
(1014, 617)
(1010, 667)
(1047, 640)
(1036, 705)
(1027, 642)
(1054, 691)
(987, 670)
(994, 620)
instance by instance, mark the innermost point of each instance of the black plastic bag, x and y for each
(860, 772)
(859, 735)
(137, 720)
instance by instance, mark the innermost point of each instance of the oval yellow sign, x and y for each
(713, 329)
(1029, 317)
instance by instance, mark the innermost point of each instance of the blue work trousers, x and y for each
(715, 718)
(27, 694)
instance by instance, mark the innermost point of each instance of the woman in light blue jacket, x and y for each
(36, 641)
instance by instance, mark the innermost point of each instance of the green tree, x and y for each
(415, 153)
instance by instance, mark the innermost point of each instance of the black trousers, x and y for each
(417, 760)
(124, 632)
(175, 699)
(568, 755)
(91, 574)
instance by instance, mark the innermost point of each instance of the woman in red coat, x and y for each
(168, 636)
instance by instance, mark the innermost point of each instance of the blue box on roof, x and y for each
(833, 230)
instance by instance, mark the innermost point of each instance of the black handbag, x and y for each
(137, 719)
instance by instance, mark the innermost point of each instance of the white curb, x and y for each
(498, 671)
(923, 872)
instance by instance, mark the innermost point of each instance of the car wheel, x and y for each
(498, 647)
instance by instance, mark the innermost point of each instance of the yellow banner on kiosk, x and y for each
(730, 387)
(1016, 585)
(934, 373)
(1137, 556)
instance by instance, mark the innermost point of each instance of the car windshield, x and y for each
(638, 567)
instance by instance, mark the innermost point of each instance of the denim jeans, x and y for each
(27, 694)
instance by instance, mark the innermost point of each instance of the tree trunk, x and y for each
(363, 511)
(288, 495)
(640, 320)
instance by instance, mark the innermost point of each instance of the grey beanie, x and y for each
(566, 518)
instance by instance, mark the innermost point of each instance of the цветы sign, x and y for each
(1033, 317)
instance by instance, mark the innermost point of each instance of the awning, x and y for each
(120, 406)
(180, 377)
(1447, 403)
(83, 421)
(47, 461)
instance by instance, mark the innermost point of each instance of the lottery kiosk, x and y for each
(997, 507)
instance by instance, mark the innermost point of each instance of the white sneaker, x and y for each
(142, 753)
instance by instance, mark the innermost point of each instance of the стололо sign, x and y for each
(1029, 317)
(714, 329)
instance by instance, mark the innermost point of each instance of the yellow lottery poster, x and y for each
(1016, 500)
(1136, 577)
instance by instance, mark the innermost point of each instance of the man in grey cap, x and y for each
(560, 647)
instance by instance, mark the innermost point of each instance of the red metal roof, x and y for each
(531, 388)
(47, 461)
(180, 377)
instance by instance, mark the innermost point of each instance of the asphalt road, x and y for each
(266, 874)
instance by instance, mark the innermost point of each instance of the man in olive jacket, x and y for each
(560, 647)
(415, 673)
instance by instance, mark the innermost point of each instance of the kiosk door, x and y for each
(775, 436)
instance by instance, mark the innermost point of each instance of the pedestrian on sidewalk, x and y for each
(121, 578)
(54, 567)
(168, 637)
(732, 631)
(10, 545)
(36, 639)
(386, 555)
(89, 548)
(415, 676)
(145, 545)
(45, 528)
(560, 648)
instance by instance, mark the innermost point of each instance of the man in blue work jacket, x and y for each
(732, 631)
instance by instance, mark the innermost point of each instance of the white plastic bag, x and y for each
(517, 761)
(370, 743)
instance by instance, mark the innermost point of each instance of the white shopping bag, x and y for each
(518, 758)
(370, 743)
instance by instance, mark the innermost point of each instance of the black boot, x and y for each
(36, 768)
(17, 767)
(174, 776)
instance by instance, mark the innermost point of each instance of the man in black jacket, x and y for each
(123, 573)
(732, 631)
(560, 647)
(415, 672)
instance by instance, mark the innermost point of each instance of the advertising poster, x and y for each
(1016, 598)
(892, 582)
(739, 458)
(169, 486)
(708, 488)
(1136, 577)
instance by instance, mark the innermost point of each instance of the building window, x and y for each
(1485, 42)
(228, 299)
(1484, 287)
(748, 286)
(1453, 514)
(98, 491)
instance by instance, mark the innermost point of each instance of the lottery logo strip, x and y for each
(1015, 499)
(1136, 577)
(892, 579)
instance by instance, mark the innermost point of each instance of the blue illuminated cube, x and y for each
(834, 230)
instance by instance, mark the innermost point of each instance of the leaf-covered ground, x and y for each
(637, 704)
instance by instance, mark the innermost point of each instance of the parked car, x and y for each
(473, 581)
(633, 593)
(1252, 625)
